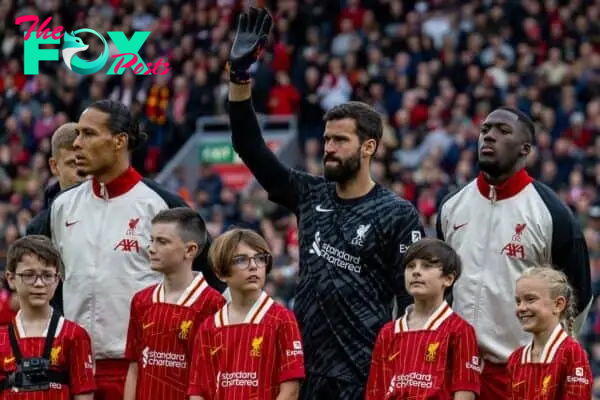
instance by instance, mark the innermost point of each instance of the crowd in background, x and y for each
(434, 69)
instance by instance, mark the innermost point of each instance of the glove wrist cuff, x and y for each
(238, 77)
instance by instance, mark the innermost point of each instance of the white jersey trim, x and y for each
(21, 330)
(435, 320)
(256, 314)
(189, 295)
(557, 337)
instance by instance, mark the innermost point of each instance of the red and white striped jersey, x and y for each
(430, 363)
(71, 352)
(562, 373)
(160, 337)
(248, 360)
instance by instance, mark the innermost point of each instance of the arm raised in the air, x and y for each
(246, 136)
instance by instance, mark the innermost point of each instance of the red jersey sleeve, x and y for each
(290, 348)
(466, 364)
(202, 379)
(215, 302)
(578, 384)
(376, 385)
(81, 367)
(132, 347)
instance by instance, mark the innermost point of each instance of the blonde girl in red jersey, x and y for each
(553, 366)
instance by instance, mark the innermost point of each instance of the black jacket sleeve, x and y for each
(569, 249)
(50, 194)
(438, 225)
(201, 263)
(248, 143)
(40, 224)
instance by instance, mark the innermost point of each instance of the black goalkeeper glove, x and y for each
(250, 39)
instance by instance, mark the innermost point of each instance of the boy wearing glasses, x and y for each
(42, 355)
(251, 348)
(165, 316)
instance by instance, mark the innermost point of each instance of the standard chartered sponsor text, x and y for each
(340, 258)
(414, 379)
(165, 359)
(239, 378)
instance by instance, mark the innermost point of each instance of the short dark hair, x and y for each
(33, 245)
(121, 120)
(524, 119)
(190, 225)
(368, 121)
(222, 250)
(435, 251)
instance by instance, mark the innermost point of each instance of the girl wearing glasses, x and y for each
(251, 348)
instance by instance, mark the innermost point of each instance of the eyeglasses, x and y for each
(29, 278)
(242, 262)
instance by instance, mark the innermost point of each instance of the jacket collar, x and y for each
(118, 186)
(508, 189)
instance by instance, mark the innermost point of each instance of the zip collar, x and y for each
(513, 186)
(118, 186)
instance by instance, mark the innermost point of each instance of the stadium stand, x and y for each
(433, 69)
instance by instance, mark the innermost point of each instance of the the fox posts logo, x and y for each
(128, 56)
(73, 45)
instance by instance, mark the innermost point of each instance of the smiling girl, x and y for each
(553, 366)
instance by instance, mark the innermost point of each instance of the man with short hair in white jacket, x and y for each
(102, 229)
(501, 223)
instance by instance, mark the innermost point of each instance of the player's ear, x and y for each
(525, 149)
(52, 165)
(560, 305)
(449, 279)
(191, 250)
(369, 147)
(121, 140)
(10, 279)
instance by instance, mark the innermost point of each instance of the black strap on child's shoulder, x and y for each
(61, 377)
(14, 343)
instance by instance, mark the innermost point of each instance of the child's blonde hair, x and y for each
(558, 285)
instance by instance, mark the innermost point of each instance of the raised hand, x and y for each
(251, 36)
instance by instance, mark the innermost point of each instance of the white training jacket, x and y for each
(498, 233)
(103, 233)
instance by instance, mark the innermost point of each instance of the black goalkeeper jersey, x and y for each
(350, 256)
(350, 270)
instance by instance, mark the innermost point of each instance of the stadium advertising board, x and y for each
(128, 56)
(227, 164)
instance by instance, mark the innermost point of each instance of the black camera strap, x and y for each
(14, 343)
(26, 378)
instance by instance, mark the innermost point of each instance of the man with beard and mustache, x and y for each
(501, 223)
(353, 231)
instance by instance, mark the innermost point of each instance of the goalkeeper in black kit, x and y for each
(353, 231)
